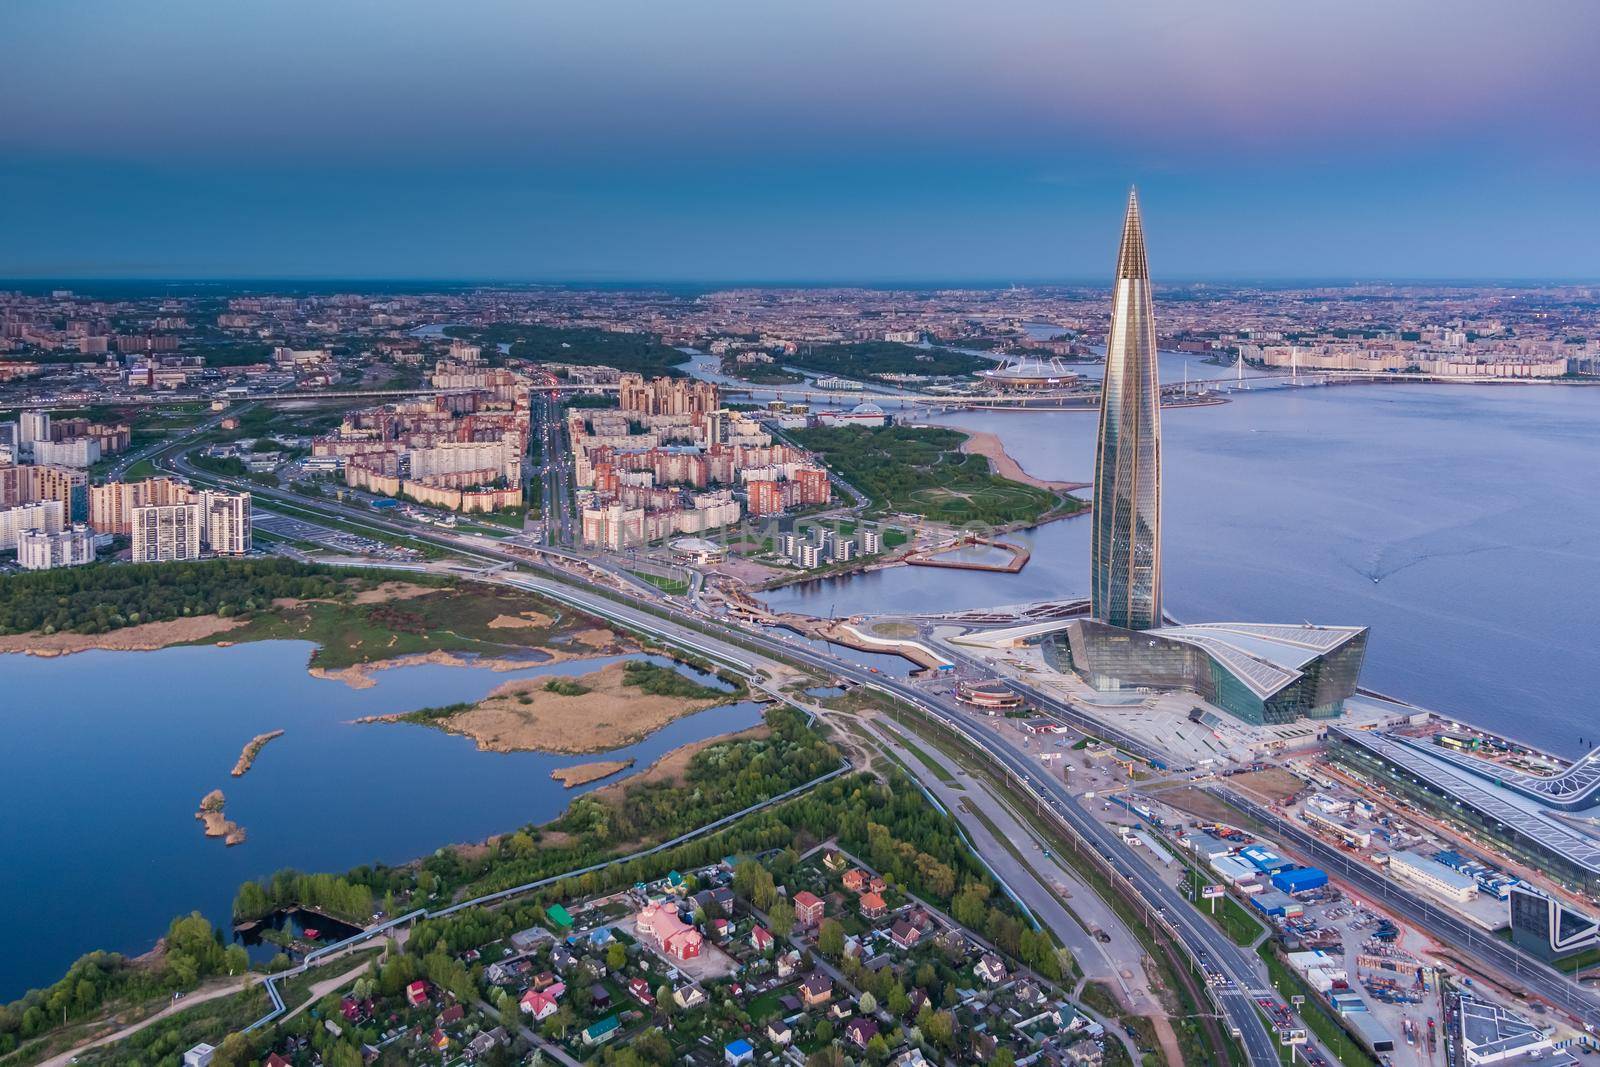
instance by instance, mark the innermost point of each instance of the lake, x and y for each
(109, 753)
(1458, 522)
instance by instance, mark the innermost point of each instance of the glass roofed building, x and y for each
(1263, 673)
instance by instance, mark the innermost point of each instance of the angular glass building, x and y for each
(1126, 552)
(1263, 673)
(1548, 928)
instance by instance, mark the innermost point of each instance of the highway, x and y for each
(1560, 990)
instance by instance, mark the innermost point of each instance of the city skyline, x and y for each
(826, 143)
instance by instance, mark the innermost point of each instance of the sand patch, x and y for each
(387, 591)
(584, 773)
(596, 638)
(524, 716)
(145, 637)
(527, 620)
(216, 823)
(991, 448)
(247, 757)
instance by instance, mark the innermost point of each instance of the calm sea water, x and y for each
(109, 753)
(1458, 522)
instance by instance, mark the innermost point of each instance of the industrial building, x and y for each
(1433, 876)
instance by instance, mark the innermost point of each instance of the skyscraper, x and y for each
(1126, 553)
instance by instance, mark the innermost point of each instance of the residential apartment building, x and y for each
(227, 522)
(163, 533)
(45, 516)
(38, 550)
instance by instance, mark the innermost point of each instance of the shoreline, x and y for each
(1001, 463)
(141, 637)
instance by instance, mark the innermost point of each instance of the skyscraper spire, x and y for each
(1125, 581)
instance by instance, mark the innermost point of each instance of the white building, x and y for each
(77, 452)
(228, 524)
(33, 426)
(46, 516)
(163, 533)
(41, 551)
(1433, 876)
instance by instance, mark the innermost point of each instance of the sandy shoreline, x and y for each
(990, 447)
(144, 637)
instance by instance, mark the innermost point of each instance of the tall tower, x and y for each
(1126, 554)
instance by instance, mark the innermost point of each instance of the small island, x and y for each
(617, 705)
(247, 758)
(584, 773)
(216, 823)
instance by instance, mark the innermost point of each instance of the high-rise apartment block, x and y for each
(44, 515)
(38, 550)
(163, 533)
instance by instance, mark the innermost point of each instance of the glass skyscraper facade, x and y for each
(1126, 552)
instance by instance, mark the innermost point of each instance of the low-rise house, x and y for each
(904, 935)
(660, 925)
(990, 969)
(722, 900)
(834, 860)
(539, 1005)
(485, 1043)
(599, 997)
(453, 1014)
(199, 1056)
(779, 1034)
(688, 996)
(761, 939)
(873, 906)
(417, 993)
(601, 1032)
(788, 963)
(807, 908)
(816, 989)
(737, 1052)
(877, 884)
(856, 880)
(639, 990)
(860, 1030)
(439, 1039)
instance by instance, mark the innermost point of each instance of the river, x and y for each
(1456, 521)
(99, 837)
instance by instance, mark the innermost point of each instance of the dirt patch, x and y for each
(528, 620)
(145, 637)
(991, 448)
(584, 773)
(597, 638)
(1197, 802)
(1273, 784)
(524, 716)
(387, 591)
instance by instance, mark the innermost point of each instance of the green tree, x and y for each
(830, 939)
(616, 955)
(780, 917)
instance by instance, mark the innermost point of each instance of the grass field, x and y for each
(455, 619)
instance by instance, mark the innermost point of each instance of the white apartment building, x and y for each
(46, 516)
(228, 524)
(76, 452)
(32, 426)
(163, 533)
(41, 551)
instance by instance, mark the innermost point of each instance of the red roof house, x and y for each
(873, 906)
(417, 993)
(807, 908)
(660, 925)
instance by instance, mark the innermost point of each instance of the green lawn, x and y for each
(670, 586)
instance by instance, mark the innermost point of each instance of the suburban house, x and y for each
(778, 1032)
(816, 989)
(860, 1030)
(601, 1032)
(737, 1052)
(904, 935)
(639, 990)
(660, 925)
(990, 969)
(807, 908)
(417, 993)
(688, 996)
(539, 1005)
(760, 939)
(873, 906)
(856, 879)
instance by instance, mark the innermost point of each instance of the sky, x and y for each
(798, 140)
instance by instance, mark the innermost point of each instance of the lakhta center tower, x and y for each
(1126, 553)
